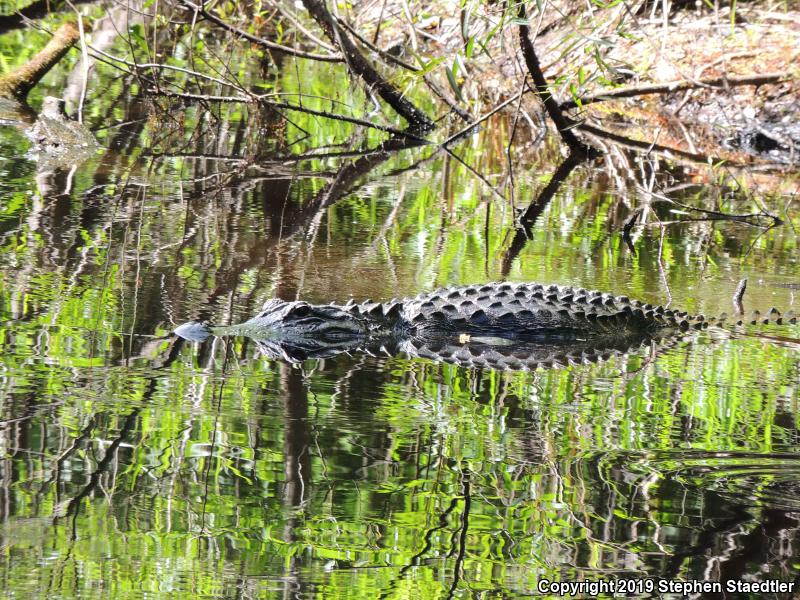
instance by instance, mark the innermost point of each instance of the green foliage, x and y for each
(135, 467)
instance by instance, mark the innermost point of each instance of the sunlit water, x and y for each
(133, 464)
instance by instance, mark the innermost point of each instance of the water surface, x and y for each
(133, 464)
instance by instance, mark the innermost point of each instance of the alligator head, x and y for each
(305, 328)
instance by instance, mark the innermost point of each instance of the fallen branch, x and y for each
(16, 84)
(674, 86)
(359, 65)
(464, 115)
(562, 123)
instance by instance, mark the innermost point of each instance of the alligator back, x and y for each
(535, 311)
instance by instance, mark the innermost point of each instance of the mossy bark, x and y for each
(16, 84)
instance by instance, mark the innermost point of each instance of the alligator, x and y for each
(518, 326)
(59, 138)
(58, 141)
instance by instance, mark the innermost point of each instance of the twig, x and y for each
(135, 65)
(382, 53)
(674, 86)
(257, 40)
(34, 10)
(299, 26)
(661, 270)
(738, 295)
(286, 106)
(629, 142)
(480, 120)
(84, 60)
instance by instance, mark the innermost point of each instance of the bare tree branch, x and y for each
(417, 119)
(674, 86)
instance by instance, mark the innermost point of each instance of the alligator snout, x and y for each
(193, 331)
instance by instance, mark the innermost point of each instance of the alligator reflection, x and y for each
(476, 352)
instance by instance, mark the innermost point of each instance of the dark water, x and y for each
(135, 465)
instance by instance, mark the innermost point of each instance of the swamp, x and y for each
(169, 165)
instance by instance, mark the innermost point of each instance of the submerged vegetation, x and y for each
(333, 151)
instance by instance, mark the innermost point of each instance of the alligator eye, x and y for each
(302, 311)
